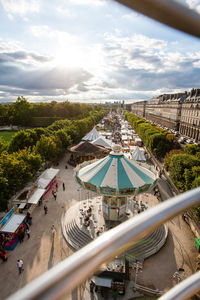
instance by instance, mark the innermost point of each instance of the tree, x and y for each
(191, 149)
(47, 148)
(64, 138)
(169, 155)
(21, 112)
(3, 145)
(22, 139)
(4, 191)
(177, 167)
(196, 183)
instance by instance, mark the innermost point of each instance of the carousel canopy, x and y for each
(92, 135)
(138, 154)
(115, 175)
(85, 148)
(101, 141)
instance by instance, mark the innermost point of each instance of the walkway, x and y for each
(40, 254)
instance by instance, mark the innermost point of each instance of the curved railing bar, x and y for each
(185, 289)
(169, 12)
(69, 273)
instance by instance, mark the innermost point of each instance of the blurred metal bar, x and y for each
(169, 12)
(68, 274)
(185, 289)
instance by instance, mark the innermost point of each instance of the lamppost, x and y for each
(178, 275)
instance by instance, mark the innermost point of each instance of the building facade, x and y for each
(179, 112)
(190, 115)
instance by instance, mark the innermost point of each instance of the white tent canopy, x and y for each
(13, 223)
(36, 196)
(102, 281)
(92, 135)
(138, 154)
(101, 141)
(46, 177)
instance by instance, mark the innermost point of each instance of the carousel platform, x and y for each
(84, 222)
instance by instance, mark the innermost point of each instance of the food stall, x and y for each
(47, 179)
(9, 226)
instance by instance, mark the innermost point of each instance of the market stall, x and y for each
(92, 135)
(36, 196)
(9, 229)
(85, 151)
(47, 179)
(138, 154)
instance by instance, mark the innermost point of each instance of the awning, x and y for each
(36, 196)
(13, 223)
(100, 281)
(22, 205)
(46, 177)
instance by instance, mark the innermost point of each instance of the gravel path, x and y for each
(40, 254)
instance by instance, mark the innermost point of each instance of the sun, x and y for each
(69, 57)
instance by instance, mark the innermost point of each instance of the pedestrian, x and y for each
(56, 186)
(115, 294)
(53, 231)
(63, 186)
(45, 209)
(20, 265)
(55, 195)
(28, 232)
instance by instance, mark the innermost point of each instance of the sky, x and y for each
(91, 51)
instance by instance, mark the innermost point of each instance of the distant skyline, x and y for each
(91, 50)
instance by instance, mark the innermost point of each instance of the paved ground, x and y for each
(39, 254)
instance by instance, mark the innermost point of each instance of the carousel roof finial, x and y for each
(116, 150)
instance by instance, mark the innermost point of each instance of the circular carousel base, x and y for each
(78, 233)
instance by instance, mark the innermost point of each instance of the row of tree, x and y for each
(182, 165)
(157, 140)
(24, 113)
(24, 155)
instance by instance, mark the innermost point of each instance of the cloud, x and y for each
(194, 4)
(20, 7)
(26, 73)
(135, 67)
(88, 2)
(66, 12)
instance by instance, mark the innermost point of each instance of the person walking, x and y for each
(28, 232)
(55, 195)
(20, 265)
(53, 231)
(56, 186)
(63, 186)
(45, 209)
(115, 293)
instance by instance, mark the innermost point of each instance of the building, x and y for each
(190, 116)
(179, 112)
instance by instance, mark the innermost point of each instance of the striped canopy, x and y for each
(115, 175)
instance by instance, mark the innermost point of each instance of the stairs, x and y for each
(74, 236)
(148, 245)
(77, 236)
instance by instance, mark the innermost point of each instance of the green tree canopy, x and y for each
(21, 112)
(178, 164)
(191, 149)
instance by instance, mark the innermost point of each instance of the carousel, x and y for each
(85, 151)
(116, 178)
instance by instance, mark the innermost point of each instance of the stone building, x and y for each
(190, 116)
(179, 112)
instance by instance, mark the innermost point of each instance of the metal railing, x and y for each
(68, 274)
(169, 12)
